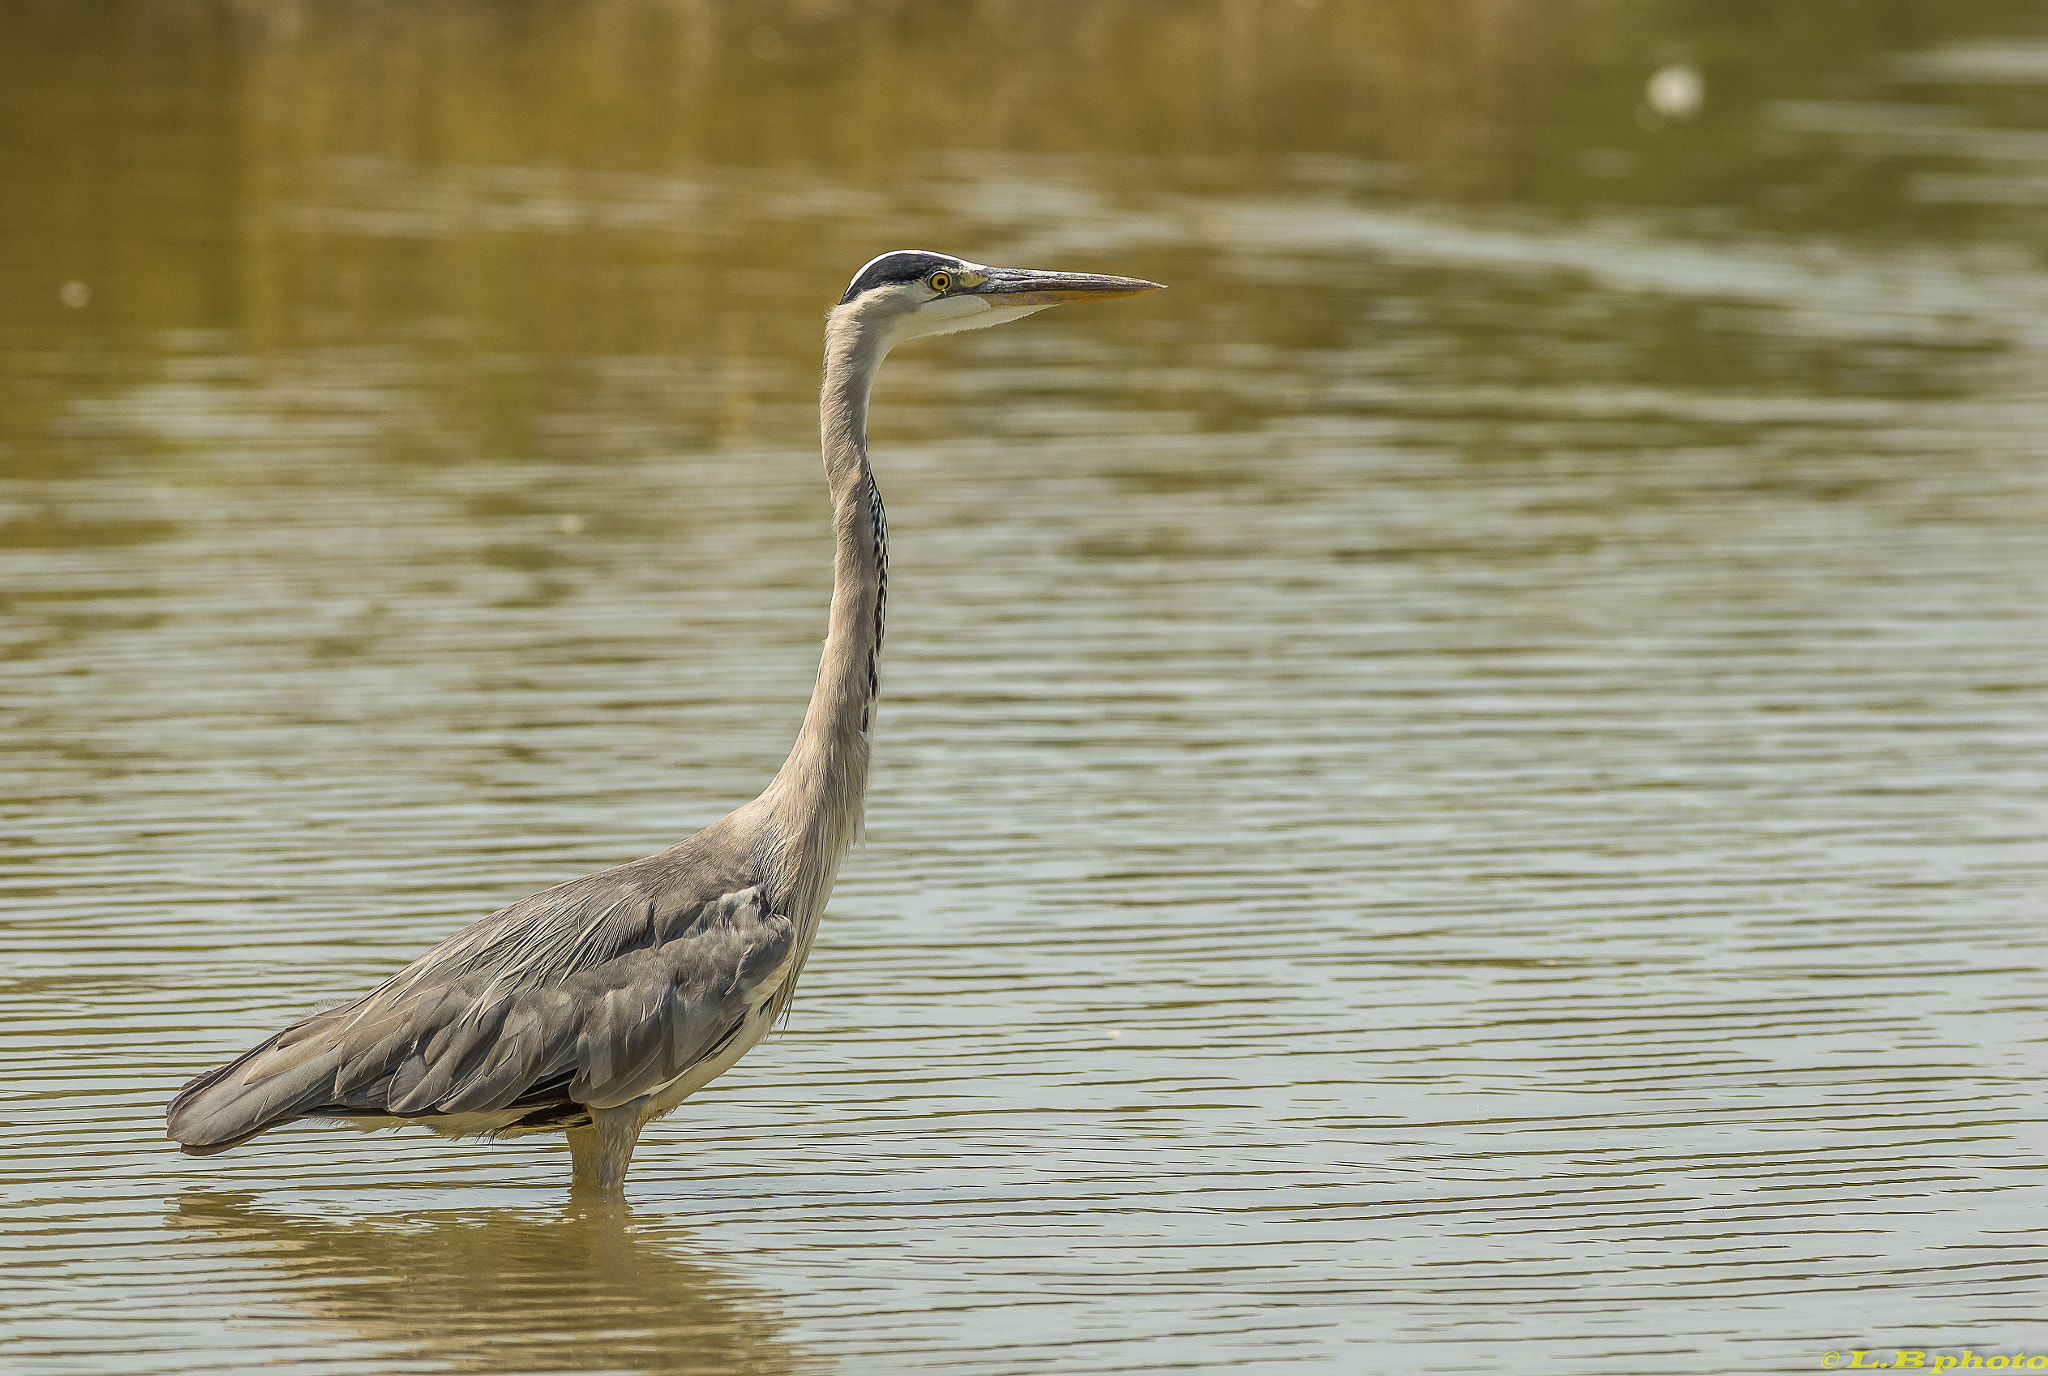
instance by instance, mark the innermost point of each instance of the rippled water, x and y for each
(1460, 792)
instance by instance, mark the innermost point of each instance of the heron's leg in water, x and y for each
(600, 1153)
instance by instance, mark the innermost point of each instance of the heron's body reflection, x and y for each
(590, 1287)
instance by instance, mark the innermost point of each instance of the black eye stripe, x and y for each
(903, 265)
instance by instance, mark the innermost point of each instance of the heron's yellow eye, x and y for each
(938, 281)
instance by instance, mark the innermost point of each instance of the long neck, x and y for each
(818, 796)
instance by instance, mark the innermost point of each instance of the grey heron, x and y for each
(598, 1005)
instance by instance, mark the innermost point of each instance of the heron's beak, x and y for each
(1024, 287)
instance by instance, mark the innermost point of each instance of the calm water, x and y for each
(1461, 792)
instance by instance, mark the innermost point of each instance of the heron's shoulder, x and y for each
(703, 885)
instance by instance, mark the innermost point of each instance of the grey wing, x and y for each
(589, 994)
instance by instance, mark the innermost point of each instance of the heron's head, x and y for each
(910, 293)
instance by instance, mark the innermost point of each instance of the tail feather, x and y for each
(258, 1090)
(216, 1148)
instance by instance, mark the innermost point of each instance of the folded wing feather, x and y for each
(593, 993)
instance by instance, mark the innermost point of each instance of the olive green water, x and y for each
(1461, 792)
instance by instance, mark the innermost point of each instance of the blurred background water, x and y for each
(1459, 792)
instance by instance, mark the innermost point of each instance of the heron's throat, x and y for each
(854, 349)
(819, 795)
(855, 346)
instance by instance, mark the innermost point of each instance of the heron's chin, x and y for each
(952, 314)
